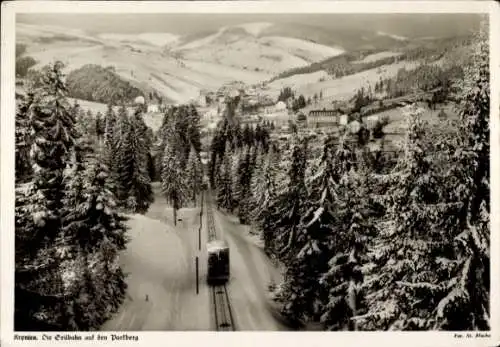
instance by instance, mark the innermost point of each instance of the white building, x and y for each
(372, 120)
(139, 100)
(280, 106)
(344, 119)
(153, 108)
(354, 127)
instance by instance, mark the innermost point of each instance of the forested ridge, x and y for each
(100, 84)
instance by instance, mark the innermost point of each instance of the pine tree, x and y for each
(43, 282)
(352, 230)
(194, 129)
(174, 183)
(244, 179)
(224, 186)
(99, 126)
(284, 215)
(121, 146)
(408, 278)
(90, 225)
(257, 188)
(110, 150)
(194, 173)
(23, 138)
(134, 174)
(466, 304)
(269, 190)
(313, 247)
(90, 123)
(109, 125)
(235, 166)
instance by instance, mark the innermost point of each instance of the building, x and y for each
(153, 108)
(323, 118)
(372, 120)
(344, 119)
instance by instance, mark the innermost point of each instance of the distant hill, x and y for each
(96, 83)
(178, 65)
(355, 61)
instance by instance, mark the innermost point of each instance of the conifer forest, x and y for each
(346, 206)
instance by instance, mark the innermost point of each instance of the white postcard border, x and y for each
(420, 339)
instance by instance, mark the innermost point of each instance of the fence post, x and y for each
(197, 285)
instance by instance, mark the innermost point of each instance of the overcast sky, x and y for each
(399, 24)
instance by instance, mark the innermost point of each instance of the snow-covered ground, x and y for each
(160, 262)
(344, 87)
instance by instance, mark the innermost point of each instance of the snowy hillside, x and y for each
(166, 62)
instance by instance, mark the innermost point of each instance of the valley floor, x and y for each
(160, 263)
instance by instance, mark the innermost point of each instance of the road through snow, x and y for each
(160, 263)
(251, 273)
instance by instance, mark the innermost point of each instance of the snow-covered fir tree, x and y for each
(194, 172)
(310, 251)
(134, 174)
(174, 182)
(245, 171)
(235, 165)
(43, 283)
(266, 191)
(225, 184)
(257, 188)
(23, 137)
(466, 305)
(97, 233)
(412, 257)
(122, 155)
(284, 215)
(352, 231)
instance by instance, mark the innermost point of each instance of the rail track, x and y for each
(212, 234)
(222, 309)
(223, 314)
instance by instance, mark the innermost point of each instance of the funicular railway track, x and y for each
(223, 315)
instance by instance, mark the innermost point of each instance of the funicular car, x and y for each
(218, 262)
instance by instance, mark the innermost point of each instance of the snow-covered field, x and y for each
(344, 87)
(302, 79)
(176, 69)
(309, 51)
(156, 39)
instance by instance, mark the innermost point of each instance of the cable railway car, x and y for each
(218, 262)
